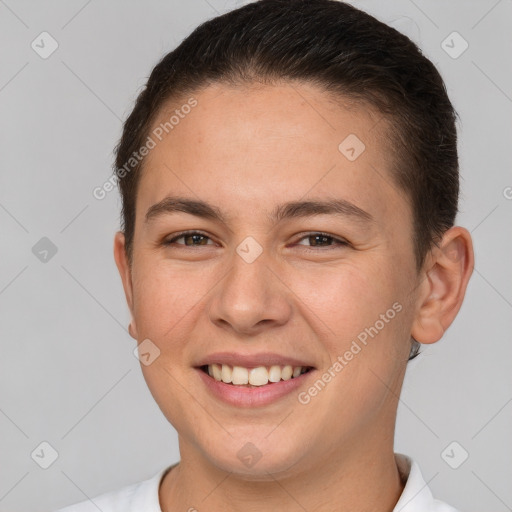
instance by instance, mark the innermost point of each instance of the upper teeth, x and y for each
(259, 376)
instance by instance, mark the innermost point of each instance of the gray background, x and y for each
(67, 372)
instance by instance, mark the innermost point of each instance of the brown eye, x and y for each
(323, 240)
(191, 238)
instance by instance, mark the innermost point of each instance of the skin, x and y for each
(246, 150)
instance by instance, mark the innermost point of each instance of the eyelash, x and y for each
(341, 242)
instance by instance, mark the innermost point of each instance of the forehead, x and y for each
(255, 146)
(264, 116)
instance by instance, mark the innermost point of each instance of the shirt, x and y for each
(143, 496)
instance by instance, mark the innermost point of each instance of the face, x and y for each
(300, 262)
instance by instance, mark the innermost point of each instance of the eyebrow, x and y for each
(290, 210)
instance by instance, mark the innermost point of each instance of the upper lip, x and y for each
(251, 360)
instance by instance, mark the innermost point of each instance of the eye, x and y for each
(190, 237)
(324, 240)
(196, 239)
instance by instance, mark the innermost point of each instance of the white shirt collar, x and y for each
(416, 496)
(144, 496)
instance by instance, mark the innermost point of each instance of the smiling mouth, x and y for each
(253, 377)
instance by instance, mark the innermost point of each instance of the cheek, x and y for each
(367, 330)
(166, 295)
(362, 309)
(348, 299)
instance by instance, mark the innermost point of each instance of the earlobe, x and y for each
(442, 291)
(132, 331)
(123, 267)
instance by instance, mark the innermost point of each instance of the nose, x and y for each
(251, 297)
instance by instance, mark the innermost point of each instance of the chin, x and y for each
(259, 459)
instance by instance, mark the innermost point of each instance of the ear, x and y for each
(448, 269)
(123, 266)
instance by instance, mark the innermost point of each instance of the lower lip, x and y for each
(241, 396)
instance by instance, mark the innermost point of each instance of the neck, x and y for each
(351, 480)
